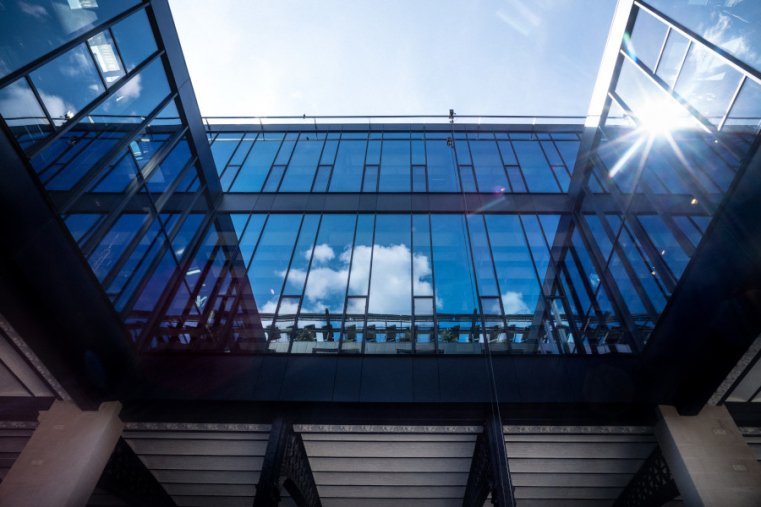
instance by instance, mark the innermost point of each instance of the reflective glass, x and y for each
(273, 181)
(359, 278)
(81, 224)
(487, 163)
(646, 39)
(135, 39)
(256, 167)
(487, 284)
(68, 83)
(250, 238)
(728, 24)
(169, 168)
(80, 165)
(322, 178)
(347, 172)
(270, 263)
(516, 179)
(329, 270)
(395, 168)
(146, 146)
(301, 169)
(707, 83)
(222, 149)
(671, 60)
(114, 243)
(284, 155)
(452, 267)
(297, 273)
(21, 111)
(390, 289)
(29, 30)
(137, 257)
(665, 242)
(745, 115)
(422, 276)
(102, 47)
(136, 99)
(442, 169)
(535, 168)
(121, 174)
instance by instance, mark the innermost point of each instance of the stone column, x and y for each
(62, 462)
(711, 463)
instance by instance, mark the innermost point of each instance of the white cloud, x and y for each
(322, 253)
(514, 304)
(57, 106)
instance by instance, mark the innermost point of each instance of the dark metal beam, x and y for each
(488, 469)
(652, 485)
(127, 478)
(286, 465)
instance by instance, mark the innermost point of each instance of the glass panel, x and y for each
(395, 167)
(170, 167)
(79, 166)
(29, 30)
(347, 172)
(360, 265)
(321, 180)
(222, 149)
(490, 173)
(418, 178)
(442, 169)
(255, 168)
(519, 289)
(274, 179)
(250, 237)
(468, 181)
(270, 264)
(671, 60)
(135, 39)
(102, 47)
(297, 274)
(21, 111)
(745, 115)
(535, 168)
(81, 224)
(487, 285)
(665, 242)
(728, 24)
(373, 153)
(121, 174)
(370, 184)
(516, 179)
(114, 243)
(707, 83)
(452, 268)
(422, 279)
(329, 270)
(68, 83)
(390, 290)
(284, 155)
(137, 257)
(646, 39)
(300, 173)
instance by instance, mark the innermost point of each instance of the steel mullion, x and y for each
(732, 102)
(663, 47)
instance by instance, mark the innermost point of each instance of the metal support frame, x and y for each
(487, 475)
(652, 485)
(286, 465)
(127, 478)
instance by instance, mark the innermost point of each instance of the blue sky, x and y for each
(333, 57)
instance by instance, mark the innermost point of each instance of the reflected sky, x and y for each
(393, 57)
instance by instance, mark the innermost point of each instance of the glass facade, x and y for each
(385, 239)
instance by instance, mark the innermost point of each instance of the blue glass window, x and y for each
(68, 83)
(452, 268)
(390, 288)
(395, 167)
(301, 170)
(104, 51)
(646, 39)
(222, 149)
(535, 169)
(114, 243)
(21, 111)
(487, 284)
(170, 167)
(135, 39)
(297, 273)
(329, 270)
(270, 263)
(118, 176)
(442, 169)
(256, 167)
(487, 163)
(347, 172)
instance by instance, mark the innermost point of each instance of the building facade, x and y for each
(424, 313)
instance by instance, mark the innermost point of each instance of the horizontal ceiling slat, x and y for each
(391, 492)
(199, 447)
(601, 466)
(570, 480)
(211, 489)
(418, 478)
(206, 476)
(391, 437)
(234, 463)
(197, 435)
(578, 438)
(579, 450)
(390, 502)
(568, 493)
(390, 465)
(219, 501)
(390, 449)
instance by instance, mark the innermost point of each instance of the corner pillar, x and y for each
(711, 463)
(62, 462)
(489, 471)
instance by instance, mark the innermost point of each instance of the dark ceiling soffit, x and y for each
(715, 312)
(50, 295)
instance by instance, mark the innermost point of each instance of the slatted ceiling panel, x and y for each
(12, 442)
(213, 467)
(574, 466)
(390, 466)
